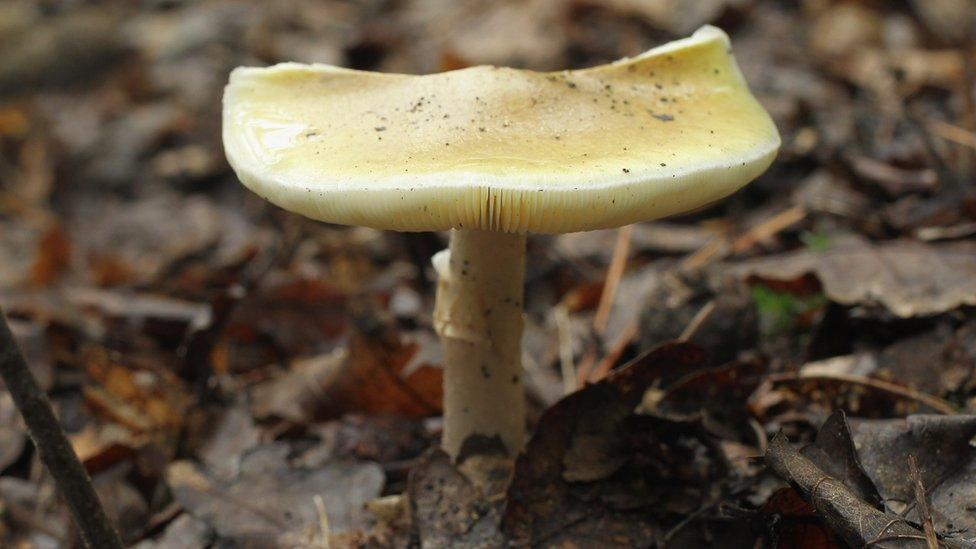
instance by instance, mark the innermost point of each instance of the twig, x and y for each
(947, 176)
(614, 272)
(714, 249)
(923, 504)
(615, 352)
(584, 367)
(734, 490)
(700, 512)
(768, 228)
(933, 402)
(960, 230)
(565, 334)
(696, 321)
(586, 371)
(324, 529)
(951, 132)
(719, 247)
(53, 447)
(760, 434)
(893, 537)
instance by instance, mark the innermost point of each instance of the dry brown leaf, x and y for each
(944, 450)
(375, 380)
(797, 526)
(953, 19)
(907, 278)
(140, 400)
(522, 33)
(270, 497)
(184, 531)
(99, 448)
(370, 375)
(13, 435)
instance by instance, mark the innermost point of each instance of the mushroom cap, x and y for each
(497, 148)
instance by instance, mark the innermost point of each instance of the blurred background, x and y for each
(231, 373)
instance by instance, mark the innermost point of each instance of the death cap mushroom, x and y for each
(501, 149)
(494, 153)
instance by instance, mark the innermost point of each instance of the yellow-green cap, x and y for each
(498, 148)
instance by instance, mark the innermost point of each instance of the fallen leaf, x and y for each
(385, 439)
(270, 498)
(522, 31)
(447, 510)
(797, 525)
(544, 506)
(297, 394)
(76, 45)
(714, 396)
(231, 434)
(13, 434)
(944, 448)
(907, 278)
(183, 533)
(147, 235)
(53, 256)
(844, 29)
(722, 319)
(937, 362)
(125, 506)
(20, 246)
(165, 318)
(23, 502)
(676, 17)
(368, 376)
(286, 315)
(375, 379)
(142, 400)
(835, 453)
(100, 448)
(894, 180)
(950, 18)
(857, 522)
(824, 192)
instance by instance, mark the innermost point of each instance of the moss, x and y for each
(780, 312)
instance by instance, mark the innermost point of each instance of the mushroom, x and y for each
(493, 153)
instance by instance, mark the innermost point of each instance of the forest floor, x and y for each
(233, 375)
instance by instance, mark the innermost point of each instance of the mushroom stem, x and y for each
(478, 315)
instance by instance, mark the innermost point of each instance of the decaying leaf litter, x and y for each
(232, 375)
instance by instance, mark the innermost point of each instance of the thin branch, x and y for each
(713, 250)
(696, 321)
(53, 447)
(565, 335)
(768, 228)
(932, 402)
(893, 537)
(923, 505)
(951, 132)
(616, 351)
(614, 272)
